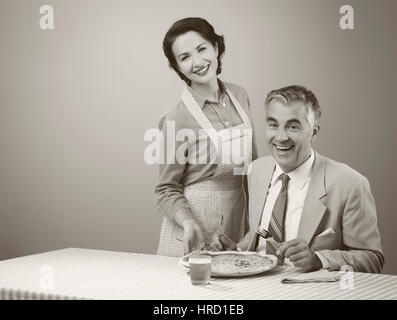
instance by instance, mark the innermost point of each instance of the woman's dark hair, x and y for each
(192, 24)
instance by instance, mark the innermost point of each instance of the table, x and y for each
(75, 273)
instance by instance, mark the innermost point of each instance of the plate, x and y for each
(234, 263)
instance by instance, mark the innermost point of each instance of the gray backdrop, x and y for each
(75, 103)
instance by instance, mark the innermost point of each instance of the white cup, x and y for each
(200, 270)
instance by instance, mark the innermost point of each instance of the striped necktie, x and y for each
(276, 225)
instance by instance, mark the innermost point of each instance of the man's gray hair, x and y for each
(295, 93)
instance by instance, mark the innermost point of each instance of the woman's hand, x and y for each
(221, 242)
(193, 238)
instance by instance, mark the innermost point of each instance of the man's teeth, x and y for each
(284, 148)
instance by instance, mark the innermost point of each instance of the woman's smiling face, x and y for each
(196, 57)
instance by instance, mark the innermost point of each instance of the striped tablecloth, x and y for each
(95, 274)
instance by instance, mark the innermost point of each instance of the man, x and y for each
(315, 212)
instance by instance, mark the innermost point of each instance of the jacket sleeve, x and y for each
(362, 248)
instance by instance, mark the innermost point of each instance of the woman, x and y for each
(196, 198)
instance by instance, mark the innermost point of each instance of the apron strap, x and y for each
(202, 119)
(195, 110)
(214, 135)
(199, 115)
(240, 110)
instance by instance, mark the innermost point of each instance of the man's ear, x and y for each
(316, 130)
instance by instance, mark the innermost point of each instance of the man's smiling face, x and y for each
(290, 131)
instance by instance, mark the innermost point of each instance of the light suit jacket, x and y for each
(338, 200)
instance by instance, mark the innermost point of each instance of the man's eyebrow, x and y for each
(271, 119)
(293, 121)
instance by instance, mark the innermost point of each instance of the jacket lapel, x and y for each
(260, 187)
(313, 209)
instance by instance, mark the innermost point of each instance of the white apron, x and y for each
(218, 203)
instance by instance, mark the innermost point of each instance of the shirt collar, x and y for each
(201, 100)
(300, 176)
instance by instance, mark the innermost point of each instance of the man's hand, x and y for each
(299, 253)
(221, 242)
(193, 238)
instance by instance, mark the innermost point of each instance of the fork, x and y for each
(220, 225)
(264, 234)
(220, 233)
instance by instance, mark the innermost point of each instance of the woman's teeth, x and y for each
(202, 71)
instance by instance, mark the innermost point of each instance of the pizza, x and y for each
(234, 263)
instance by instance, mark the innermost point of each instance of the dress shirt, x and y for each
(174, 177)
(297, 190)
